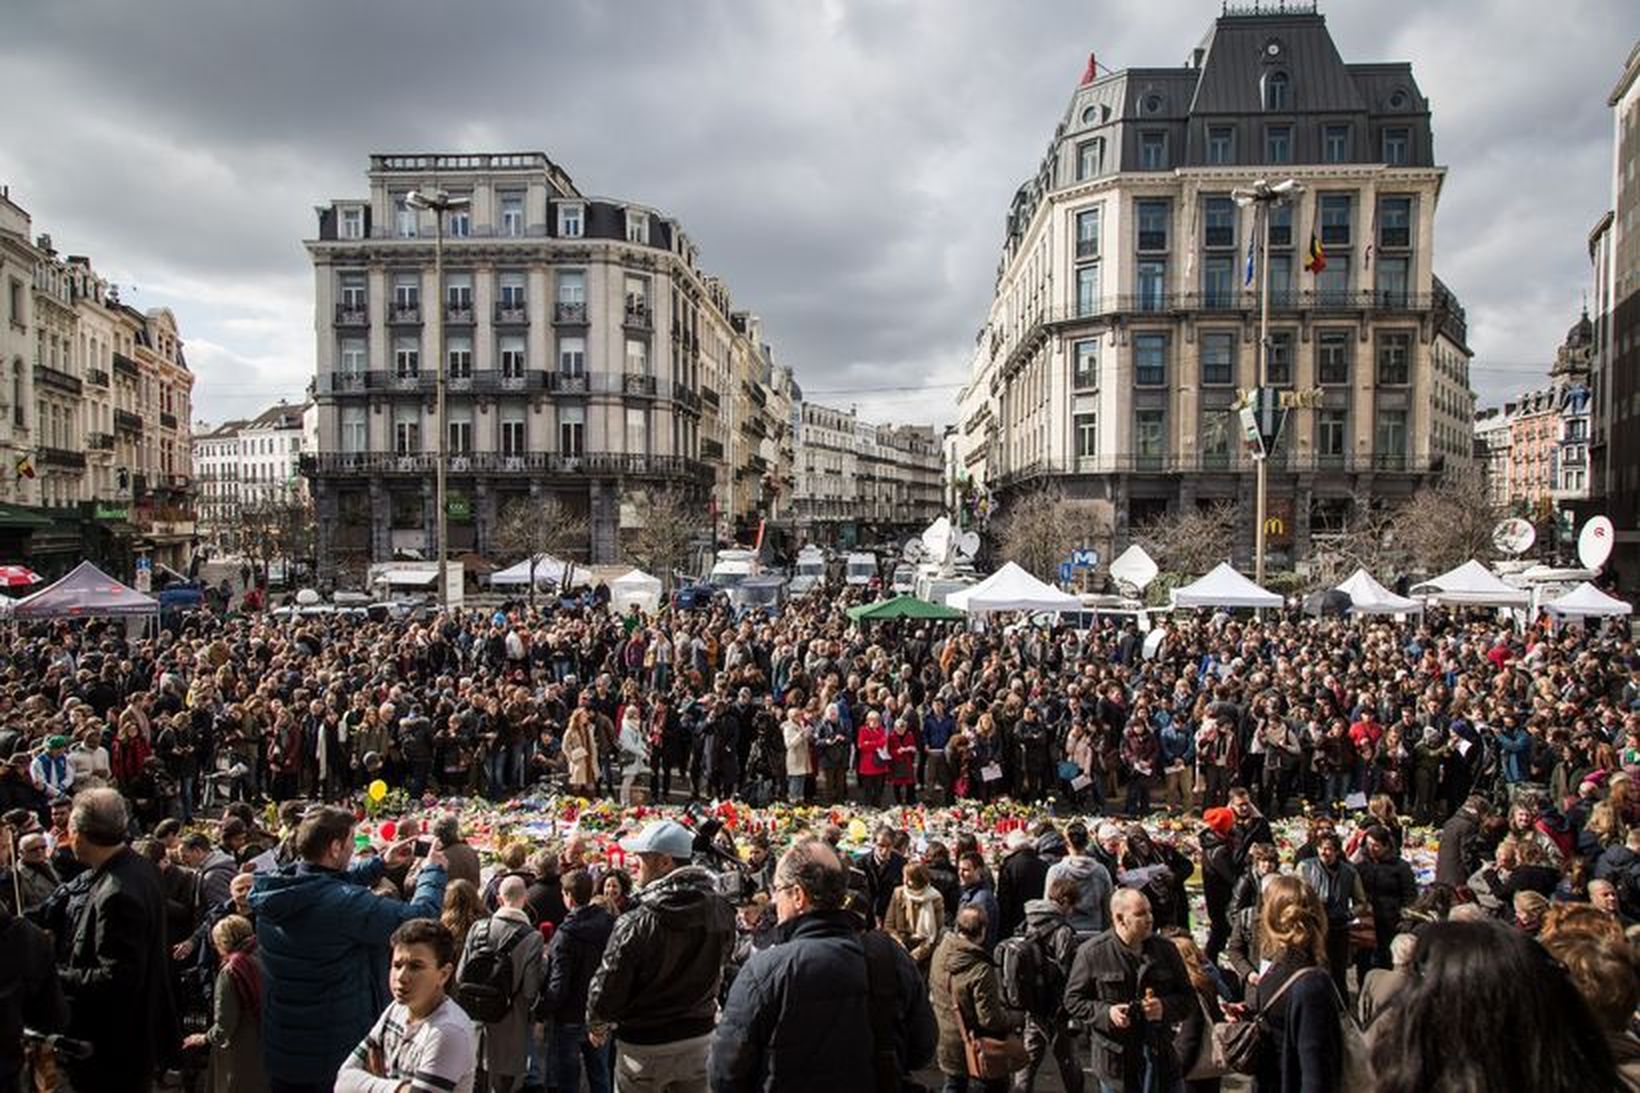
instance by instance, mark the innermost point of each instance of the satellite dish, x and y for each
(913, 551)
(307, 597)
(1133, 566)
(1594, 542)
(968, 544)
(1514, 535)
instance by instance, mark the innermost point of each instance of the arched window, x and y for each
(1277, 92)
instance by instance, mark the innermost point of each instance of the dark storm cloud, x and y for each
(843, 166)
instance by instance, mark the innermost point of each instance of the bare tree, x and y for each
(283, 529)
(668, 524)
(1448, 522)
(536, 526)
(1040, 529)
(1191, 539)
(1366, 540)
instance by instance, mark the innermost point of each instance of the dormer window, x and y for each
(637, 226)
(1277, 92)
(353, 222)
(571, 218)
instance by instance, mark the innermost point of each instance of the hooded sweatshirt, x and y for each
(1095, 885)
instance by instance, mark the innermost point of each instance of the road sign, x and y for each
(145, 573)
(1064, 573)
(1085, 558)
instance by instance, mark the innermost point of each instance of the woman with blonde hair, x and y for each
(1295, 998)
(235, 1035)
(581, 749)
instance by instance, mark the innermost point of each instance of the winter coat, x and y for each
(462, 862)
(1094, 884)
(1023, 877)
(235, 1036)
(1458, 855)
(506, 1042)
(870, 742)
(1046, 924)
(577, 949)
(1103, 975)
(581, 749)
(323, 938)
(33, 994)
(963, 974)
(1304, 1046)
(882, 877)
(660, 974)
(900, 922)
(798, 1017)
(796, 738)
(981, 896)
(1390, 888)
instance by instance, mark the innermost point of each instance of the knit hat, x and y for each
(1221, 820)
(55, 741)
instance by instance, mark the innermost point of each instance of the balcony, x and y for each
(167, 420)
(58, 380)
(100, 442)
(638, 316)
(459, 312)
(638, 386)
(687, 398)
(512, 312)
(570, 313)
(1284, 462)
(352, 315)
(344, 464)
(62, 457)
(568, 383)
(125, 366)
(126, 421)
(404, 313)
(710, 397)
(96, 377)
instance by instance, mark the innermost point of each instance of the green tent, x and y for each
(902, 607)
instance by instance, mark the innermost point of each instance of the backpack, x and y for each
(485, 986)
(1027, 974)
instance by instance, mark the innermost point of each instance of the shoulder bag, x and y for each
(988, 1057)
(1232, 1046)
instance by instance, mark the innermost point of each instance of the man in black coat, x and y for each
(1460, 852)
(884, 870)
(118, 975)
(32, 995)
(1022, 878)
(826, 1007)
(576, 951)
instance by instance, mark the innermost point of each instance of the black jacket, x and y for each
(1219, 872)
(658, 982)
(881, 880)
(1304, 1048)
(31, 995)
(798, 1017)
(1103, 976)
(1022, 878)
(572, 958)
(118, 977)
(1390, 888)
(1459, 854)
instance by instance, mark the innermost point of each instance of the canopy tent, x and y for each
(902, 607)
(1586, 600)
(1368, 597)
(1012, 589)
(635, 588)
(1224, 587)
(87, 592)
(548, 571)
(408, 578)
(1472, 584)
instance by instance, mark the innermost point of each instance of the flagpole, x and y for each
(1262, 458)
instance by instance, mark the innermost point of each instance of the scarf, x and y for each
(245, 973)
(926, 910)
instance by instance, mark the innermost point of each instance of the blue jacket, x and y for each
(937, 731)
(1517, 753)
(1178, 743)
(323, 939)
(981, 896)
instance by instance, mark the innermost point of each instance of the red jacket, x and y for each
(868, 741)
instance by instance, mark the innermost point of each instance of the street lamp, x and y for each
(1262, 196)
(440, 202)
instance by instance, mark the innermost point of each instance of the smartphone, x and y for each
(422, 847)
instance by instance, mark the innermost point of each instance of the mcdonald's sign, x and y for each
(1278, 521)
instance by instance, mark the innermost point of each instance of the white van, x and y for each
(732, 567)
(810, 571)
(860, 569)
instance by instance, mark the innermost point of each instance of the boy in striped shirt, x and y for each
(424, 1041)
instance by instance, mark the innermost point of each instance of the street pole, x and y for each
(443, 430)
(1263, 457)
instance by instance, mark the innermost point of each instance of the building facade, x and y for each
(859, 482)
(247, 465)
(1123, 332)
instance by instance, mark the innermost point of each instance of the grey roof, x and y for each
(1237, 61)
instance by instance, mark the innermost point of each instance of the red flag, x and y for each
(1090, 73)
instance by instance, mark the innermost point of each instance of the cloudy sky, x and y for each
(844, 166)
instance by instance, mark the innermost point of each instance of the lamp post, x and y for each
(1262, 196)
(440, 202)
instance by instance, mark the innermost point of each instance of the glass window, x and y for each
(572, 356)
(1153, 151)
(1335, 219)
(1150, 359)
(1395, 222)
(1087, 233)
(458, 291)
(1397, 141)
(1332, 285)
(458, 355)
(512, 214)
(1153, 225)
(512, 355)
(404, 217)
(407, 434)
(1281, 280)
(512, 291)
(1218, 427)
(1392, 281)
(1332, 356)
(637, 294)
(1277, 91)
(1394, 353)
(572, 286)
(1152, 285)
(1391, 441)
(1149, 437)
(572, 424)
(570, 220)
(353, 223)
(1218, 222)
(353, 356)
(637, 357)
(1281, 225)
(1085, 427)
(406, 355)
(637, 226)
(1087, 288)
(1085, 372)
(512, 432)
(637, 431)
(1219, 281)
(1090, 159)
(1330, 433)
(461, 432)
(406, 291)
(1218, 358)
(1219, 145)
(459, 222)
(1335, 143)
(1278, 369)
(1278, 144)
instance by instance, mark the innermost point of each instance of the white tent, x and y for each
(1224, 587)
(1586, 600)
(1368, 597)
(548, 570)
(1012, 589)
(635, 587)
(1472, 584)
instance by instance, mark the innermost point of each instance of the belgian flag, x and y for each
(25, 466)
(1317, 260)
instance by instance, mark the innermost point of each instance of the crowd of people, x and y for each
(139, 877)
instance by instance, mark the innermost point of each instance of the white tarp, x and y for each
(1368, 597)
(1224, 587)
(1011, 588)
(548, 571)
(1586, 600)
(635, 588)
(1472, 584)
(408, 578)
